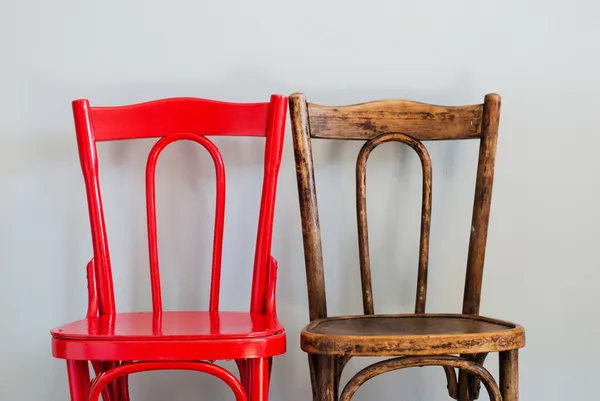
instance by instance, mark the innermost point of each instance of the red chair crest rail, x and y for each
(119, 344)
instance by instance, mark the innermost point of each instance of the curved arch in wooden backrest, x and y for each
(418, 121)
(361, 216)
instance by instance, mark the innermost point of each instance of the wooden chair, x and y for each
(120, 344)
(413, 339)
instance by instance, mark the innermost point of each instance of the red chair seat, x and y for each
(188, 335)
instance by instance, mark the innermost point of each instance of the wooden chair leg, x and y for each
(324, 377)
(258, 379)
(509, 375)
(468, 385)
(474, 382)
(463, 386)
(79, 380)
(452, 382)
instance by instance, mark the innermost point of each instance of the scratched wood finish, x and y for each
(481, 205)
(452, 382)
(397, 335)
(418, 120)
(468, 386)
(324, 377)
(331, 344)
(361, 212)
(509, 375)
(474, 384)
(389, 365)
(311, 230)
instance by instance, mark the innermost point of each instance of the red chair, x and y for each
(119, 344)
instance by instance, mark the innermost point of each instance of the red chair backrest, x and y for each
(173, 120)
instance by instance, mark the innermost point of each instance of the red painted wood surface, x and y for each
(168, 116)
(217, 371)
(219, 216)
(180, 325)
(118, 344)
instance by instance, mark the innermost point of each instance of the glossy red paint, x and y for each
(103, 380)
(219, 216)
(119, 344)
(208, 117)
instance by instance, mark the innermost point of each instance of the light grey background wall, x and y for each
(542, 268)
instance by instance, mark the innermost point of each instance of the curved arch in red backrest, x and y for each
(176, 116)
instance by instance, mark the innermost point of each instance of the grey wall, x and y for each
(541, 271)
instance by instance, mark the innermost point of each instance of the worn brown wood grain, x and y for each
(311, 230)
(389, 365)
(468, 385)
(509, 375)
(463, 385)
(451, 382)
(418, 120)
(361, 212)
(324, 377)
(428, 334)
(332, 341)
(482, 204)
(474, 384)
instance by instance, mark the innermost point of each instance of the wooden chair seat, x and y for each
(399, 335)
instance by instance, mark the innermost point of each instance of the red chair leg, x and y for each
(270, 370)
(79, 380)
(98, 369)
(114, 388)
(125, 388)
(259, 379)
(243, 369)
